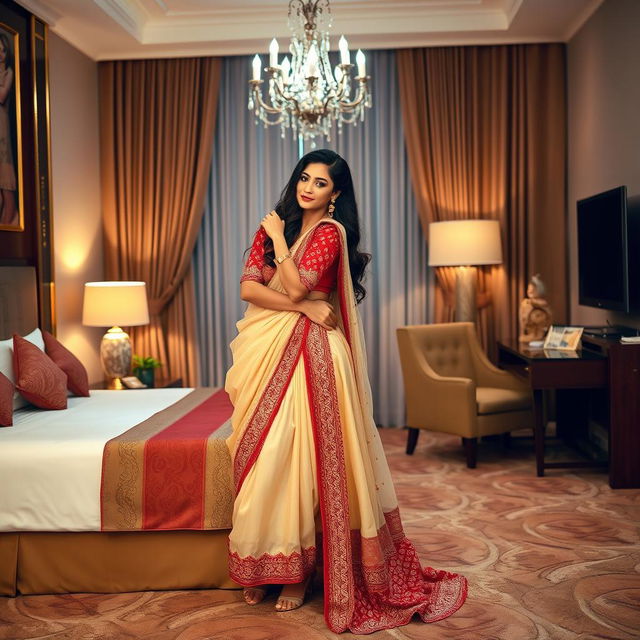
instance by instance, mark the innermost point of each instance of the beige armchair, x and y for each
(450, 385)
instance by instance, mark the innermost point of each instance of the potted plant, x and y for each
(144, 368)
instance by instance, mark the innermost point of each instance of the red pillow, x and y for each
(38, 378)
(77, 378)
(6, 401)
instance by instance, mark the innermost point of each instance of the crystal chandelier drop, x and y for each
(304, 94)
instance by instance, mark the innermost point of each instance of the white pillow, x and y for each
(6, 362)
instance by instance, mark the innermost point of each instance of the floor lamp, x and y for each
(465, 244)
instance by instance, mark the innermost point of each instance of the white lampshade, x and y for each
(459, 243)
(108, 304)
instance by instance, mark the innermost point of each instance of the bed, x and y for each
(122, 491)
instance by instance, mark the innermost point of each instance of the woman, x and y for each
(311, 479)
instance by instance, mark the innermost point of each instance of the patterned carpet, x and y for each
(552, 558)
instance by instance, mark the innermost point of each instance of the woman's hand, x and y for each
(273, 224)
(320, 312)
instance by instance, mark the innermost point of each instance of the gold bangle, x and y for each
(281, 259)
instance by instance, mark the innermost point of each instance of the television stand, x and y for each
(610, 331)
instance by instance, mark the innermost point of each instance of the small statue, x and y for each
(535, 312)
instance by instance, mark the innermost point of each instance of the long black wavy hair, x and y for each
(346, 213)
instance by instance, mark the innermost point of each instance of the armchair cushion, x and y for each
(494, 400)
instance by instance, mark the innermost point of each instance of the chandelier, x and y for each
(304, 94)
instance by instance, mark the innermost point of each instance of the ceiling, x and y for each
(127, 29)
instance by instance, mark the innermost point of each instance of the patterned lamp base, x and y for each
(115, 356)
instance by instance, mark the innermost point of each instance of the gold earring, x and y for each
(332, 207)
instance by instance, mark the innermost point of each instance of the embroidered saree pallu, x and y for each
(172, 471)
(308, 465)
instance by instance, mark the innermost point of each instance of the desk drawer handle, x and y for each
(526, 369)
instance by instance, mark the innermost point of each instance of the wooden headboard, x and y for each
(18, 301)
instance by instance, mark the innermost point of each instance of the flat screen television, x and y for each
(603, 250)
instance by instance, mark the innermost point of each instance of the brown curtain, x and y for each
(485, 130)
(157, 124)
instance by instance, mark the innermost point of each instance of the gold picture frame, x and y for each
(563, 338)
(11, 180)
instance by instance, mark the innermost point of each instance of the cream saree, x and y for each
(311, 479)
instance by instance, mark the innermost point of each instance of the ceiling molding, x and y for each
(81, 44)
(238, 48)
(129, 15)
(262, 32)
(474, 16)
(45, 12)
(513, 10)
(581, 18)
(280, 8)
(134, 29)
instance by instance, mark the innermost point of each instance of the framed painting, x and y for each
(11, 186)
(25, 177)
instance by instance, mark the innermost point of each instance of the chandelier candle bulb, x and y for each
(305, 94)
(362, 70)
(344, 51)
(257, 65)
(273, 53)
(286, 70)
(312, 63)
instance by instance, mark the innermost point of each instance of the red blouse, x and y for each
(318, 267)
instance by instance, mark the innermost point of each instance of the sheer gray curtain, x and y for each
(250, 168)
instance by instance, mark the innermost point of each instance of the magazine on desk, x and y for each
(563, 338)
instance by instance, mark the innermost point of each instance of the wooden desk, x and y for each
(571, 373)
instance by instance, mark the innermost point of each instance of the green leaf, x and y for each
(145, 362)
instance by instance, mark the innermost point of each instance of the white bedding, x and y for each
(51, 461)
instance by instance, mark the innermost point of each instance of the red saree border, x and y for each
(394, 524)
(266, 410)
(431, 593)
(272, 568)
(372, 555)
(332, 482)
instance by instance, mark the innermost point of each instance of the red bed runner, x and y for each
(172, 471)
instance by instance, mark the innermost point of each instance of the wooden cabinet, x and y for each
(624, 410)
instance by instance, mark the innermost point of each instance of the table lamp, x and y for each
(113, 304)
(465, 244)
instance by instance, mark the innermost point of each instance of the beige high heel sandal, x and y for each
(259, 590)
(296, 601)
